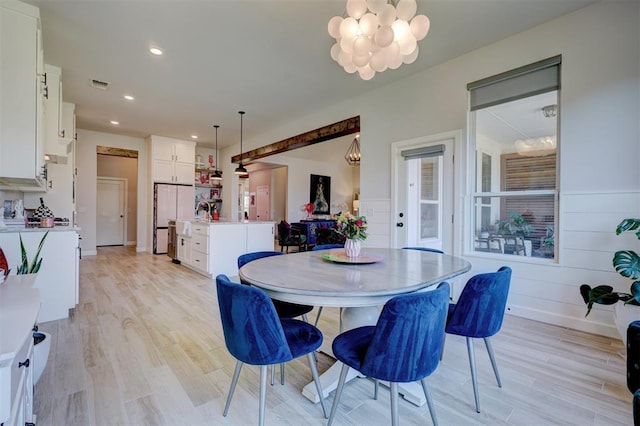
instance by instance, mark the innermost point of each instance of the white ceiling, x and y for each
(267, 57)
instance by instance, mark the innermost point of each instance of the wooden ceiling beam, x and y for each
(321, 134)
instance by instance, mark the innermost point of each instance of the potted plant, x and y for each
(516, 225)
(41, 340)
(627, 264)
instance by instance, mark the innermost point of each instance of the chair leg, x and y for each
(474, 376)
(376, 386)
(263, 394)
(394, 404)
(336, 397)
(316, 380)
(427, 395)
(273, 374)
(315, 324)
(444, 340)
(487, 343)
(234, 382)
(282, 373)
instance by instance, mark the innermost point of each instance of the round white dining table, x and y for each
(358, 286)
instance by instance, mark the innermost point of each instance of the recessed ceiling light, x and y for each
(156, 51)
(114, 122)
(129, 97)
(194, 136)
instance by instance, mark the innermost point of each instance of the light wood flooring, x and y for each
(145, 347)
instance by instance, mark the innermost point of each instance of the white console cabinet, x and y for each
(172, 160)
(19, 307)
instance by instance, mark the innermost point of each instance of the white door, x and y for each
(423, 206)
(111, 207)
(263, 203)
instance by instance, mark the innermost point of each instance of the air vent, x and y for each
(97, 84)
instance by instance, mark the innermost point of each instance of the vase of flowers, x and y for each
(354, 228)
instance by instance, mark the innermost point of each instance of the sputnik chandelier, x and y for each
(376, 35)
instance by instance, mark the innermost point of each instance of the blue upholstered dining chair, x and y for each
(255, 335)
(283, 309)
(433, 250)
(478, 314)
(404, 345)
(327, 246)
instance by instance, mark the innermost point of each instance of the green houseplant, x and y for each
(30, 268)
(515, 224)
(627, 264)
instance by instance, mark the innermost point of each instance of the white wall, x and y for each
(86, 162)
(599, 148)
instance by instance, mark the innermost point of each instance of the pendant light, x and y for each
(216, 174)
(240, 170)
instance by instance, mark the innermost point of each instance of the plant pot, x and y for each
(41, 349)
(622, 316)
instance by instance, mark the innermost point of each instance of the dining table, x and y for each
(358, 286)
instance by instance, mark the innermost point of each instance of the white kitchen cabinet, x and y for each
(183, 251)
(57, 279)
(260, 236)
(19, 306)
(172, 160)
(220, 243)
(60, 127)
(21, 138)
(200, 247)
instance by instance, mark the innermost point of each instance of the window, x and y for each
(514, 117)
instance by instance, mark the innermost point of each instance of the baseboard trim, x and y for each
(580, 324)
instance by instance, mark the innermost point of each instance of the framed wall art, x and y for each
(320, 194)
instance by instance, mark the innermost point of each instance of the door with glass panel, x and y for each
(424, 195)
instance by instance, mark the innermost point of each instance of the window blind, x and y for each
(423, 152)
(529, 80)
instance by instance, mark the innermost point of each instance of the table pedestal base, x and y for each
(352, 318)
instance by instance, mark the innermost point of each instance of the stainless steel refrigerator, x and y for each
(170, 202)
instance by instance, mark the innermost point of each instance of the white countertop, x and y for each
(229, 222)
(14, 228)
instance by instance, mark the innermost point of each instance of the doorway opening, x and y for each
(116, 164)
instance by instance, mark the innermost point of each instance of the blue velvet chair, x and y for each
(255, 335)
(633, 367)
(283, 309)
(433, 250)
(404, 346)
(327, 246)
(479, 314)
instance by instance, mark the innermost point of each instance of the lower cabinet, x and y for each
(19, 306)
(57, 279)
(200, 247)
(215, 247)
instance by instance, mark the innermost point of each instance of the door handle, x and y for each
(121, 215)
(399, 224)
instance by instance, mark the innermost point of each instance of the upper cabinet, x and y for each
(172, 160)
(22, 100)
(59, 116)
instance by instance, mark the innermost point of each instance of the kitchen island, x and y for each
(212, 248)
(57, 279)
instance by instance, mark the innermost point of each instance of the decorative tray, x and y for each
(341, 257)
